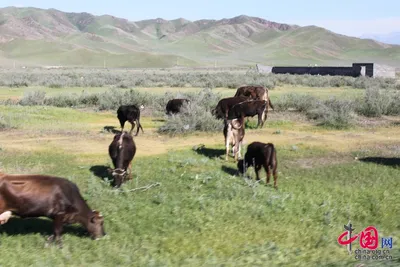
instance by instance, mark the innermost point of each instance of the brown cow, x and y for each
(250, 109)
(254, 92)
(121, 150)
(49, 196)
(223, 106)
(234, 135)
(260, 154)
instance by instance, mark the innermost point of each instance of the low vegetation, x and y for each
(204, 79)
(333, 112)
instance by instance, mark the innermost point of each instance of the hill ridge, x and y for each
(50, 36)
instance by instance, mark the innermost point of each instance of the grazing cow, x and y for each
(121, 150)
(250, 109)
(175, 105)
(260, 155)
(57, 198)
(234, 135)
(223, 106)
(254, 93)
(130, 113)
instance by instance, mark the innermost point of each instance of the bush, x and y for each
(121, 78)
(379, 102)
(192, 118)
(33, 98)
(6, 123)
(333, 113)
(196, 116)
(296, 101)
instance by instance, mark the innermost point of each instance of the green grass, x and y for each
(202, 214)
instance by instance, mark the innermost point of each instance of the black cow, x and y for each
(130, 113)
(222, 109)
(57, 198)
(260, 155)
(174, 105)
(121, 150)
(250, 109)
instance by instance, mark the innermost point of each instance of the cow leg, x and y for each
(57, 226)
(133, 126)
(5, 216)
(139, 125)
(257, 168)
(260, 120)
(122, 126)
(227, 149)
(267, 171)
(275, 174)
(130, 171)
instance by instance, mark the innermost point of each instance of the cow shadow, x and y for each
(101, 171)
(210, 152)
(229, 170)
(111, 129)
(392, 162)
(24, 226)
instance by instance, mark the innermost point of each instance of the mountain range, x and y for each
(34, 36)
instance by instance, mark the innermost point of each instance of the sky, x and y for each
(349, 17)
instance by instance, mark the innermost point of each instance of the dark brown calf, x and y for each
(174, 105)
(260, 155)
(53, 197)
(250, 109)
(121, 150)
(225, 104)
(130, 113)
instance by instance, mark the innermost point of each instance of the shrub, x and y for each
(6, 123)
(377, 102)
(196, 116)
(33, 98)
(296, 101)
(210, 78)
(333, 113)
(192, 118)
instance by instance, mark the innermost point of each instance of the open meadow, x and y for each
(338, 149)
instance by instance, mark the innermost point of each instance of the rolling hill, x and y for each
(390, 38)
(52, 37)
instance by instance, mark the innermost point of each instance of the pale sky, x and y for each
(349, 17)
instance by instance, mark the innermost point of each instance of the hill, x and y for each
(52, 37)
(390, 38)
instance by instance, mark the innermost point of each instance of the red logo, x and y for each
(368, 238)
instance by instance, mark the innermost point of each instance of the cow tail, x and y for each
(271, 156)
(270, 103)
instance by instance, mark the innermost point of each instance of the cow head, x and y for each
(236, 124)
(242, 166)
(95, 225)
(118, 175)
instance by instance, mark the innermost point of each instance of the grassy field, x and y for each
(203, 214)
